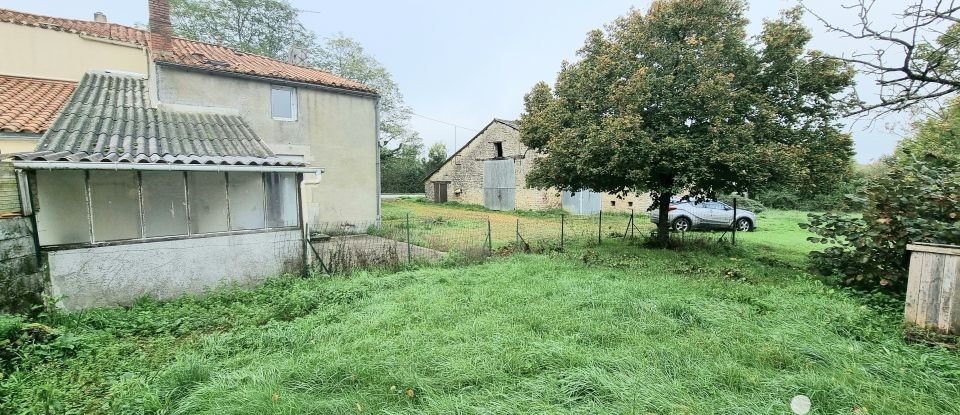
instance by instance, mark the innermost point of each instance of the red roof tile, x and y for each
(30, 105)
(190, 52)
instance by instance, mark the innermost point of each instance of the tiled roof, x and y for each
(109, 119)
(29, 105)
(190, 52)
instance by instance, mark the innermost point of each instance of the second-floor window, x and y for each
(283, 103)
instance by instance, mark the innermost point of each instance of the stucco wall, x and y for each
(44, 53)
(465, 171)
(13, 145)
(120, 274)
(19, 276)
(334, 131)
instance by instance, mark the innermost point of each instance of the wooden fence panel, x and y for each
(9, 192)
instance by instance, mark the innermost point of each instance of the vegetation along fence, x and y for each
(411, 238)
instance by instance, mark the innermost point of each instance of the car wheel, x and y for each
(682, 224)
(744, 225)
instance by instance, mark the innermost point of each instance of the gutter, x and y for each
(66, 165)
(275, 81)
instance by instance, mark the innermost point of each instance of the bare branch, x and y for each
(928, 70)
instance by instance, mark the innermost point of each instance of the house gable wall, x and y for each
(43, 53)
(333, 131)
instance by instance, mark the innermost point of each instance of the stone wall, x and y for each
(464, 172)
(20, 277)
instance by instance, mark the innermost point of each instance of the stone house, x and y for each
(491, 170)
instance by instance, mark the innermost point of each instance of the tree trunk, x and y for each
(663, 222)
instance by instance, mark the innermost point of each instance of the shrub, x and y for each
(918, 202)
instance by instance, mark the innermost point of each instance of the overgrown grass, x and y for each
(614, 328)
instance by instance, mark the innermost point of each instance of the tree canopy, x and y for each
(679, 99)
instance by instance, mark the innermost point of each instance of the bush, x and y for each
(918, 202)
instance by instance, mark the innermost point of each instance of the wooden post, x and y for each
(933, 295)
(600, 228)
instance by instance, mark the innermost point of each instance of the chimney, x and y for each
(160, 28)
(99, 17)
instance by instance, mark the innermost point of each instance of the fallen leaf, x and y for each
(410, 392)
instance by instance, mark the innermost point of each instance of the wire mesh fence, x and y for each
(397, 240)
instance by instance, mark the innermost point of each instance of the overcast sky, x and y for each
(467, 62)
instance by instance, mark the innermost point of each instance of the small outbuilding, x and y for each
(132, 199)
(491, 170)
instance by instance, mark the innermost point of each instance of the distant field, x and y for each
(608, 329)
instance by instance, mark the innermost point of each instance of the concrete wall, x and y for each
(623, 204)
(120, 274)
(465, 171)
(334, 131)
(20, 278)
(43, 53)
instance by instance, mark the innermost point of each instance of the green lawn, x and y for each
(609, 329)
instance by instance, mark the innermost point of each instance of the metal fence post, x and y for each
(561, 232)
(489, 238)
(733, 236)
(409, 248)
(600, 228)
(518, 234)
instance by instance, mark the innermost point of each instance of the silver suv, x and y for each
(685, 216)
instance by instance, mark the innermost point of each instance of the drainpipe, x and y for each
(376, 148)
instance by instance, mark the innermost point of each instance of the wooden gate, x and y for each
(499, 185)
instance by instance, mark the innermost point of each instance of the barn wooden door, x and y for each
(499, 185)
(440, 192)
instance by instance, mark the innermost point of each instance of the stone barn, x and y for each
(491, 170)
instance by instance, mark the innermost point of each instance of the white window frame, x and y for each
(293, 102)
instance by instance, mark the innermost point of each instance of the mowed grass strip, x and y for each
(616, 329)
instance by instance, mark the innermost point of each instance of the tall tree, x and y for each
(915, 62)
(264, 27)
(435, 157)
(345, 57)
(680, 100)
